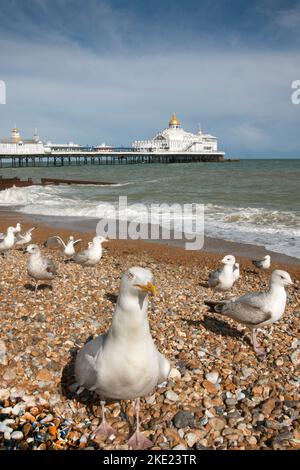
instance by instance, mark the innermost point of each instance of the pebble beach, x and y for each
(219, 394)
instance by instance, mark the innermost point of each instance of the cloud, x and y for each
(116, 93)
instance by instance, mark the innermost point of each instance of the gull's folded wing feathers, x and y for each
(50, 266)
(247, 309)
(213, 278)
(85, 365)
(81, 257)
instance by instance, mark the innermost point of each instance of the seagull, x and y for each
(7, 241)
(39, 267)
(17, 228)
(124, 363)
(25, 238)
(236, 271)
(257, 309)
(263, 263)
(67, 248)
(223, 278)
(92, 254)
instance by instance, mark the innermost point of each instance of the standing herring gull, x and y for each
(67, 248)
(263, 263)
(124, 364)
(8, 240)
(223, 278)
(257, 309)
(39, 267)
(92, 254)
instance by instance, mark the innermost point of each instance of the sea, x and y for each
(251, 201)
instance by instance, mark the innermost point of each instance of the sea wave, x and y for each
(276, 230)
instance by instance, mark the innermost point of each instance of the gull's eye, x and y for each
(130, 275)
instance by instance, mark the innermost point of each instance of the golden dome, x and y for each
(174, 121)
(15, 129)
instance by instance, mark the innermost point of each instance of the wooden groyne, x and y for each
(55, 181)
(6, 183)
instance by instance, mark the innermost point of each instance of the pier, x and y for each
(112, 157)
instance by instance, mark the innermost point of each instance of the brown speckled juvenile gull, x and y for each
(39, 267)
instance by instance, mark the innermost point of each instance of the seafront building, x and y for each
(176, 139)
(171, 145)
(17, 145)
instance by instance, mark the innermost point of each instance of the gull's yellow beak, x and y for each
(149, 288)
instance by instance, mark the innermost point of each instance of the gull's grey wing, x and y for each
(55, 240)
(258, 262)
(85, 366)
(247, 309)
(77, 241)
(81, 257)
(213, 279)
(50, 266)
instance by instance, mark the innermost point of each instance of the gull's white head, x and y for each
(17, 228)
(32, 249)
(71, 238)
(267, 257)
(137, 281)
(228, 259)
(99, 239)
(11, 230)
(281, 278)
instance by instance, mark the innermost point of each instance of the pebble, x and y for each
(212, 377)
(172, 396)
(5, 428)
(174, 374)
(17, 435)
(217, 423)
(191, 439)
(9, 374)
(179, 447)
(295, 358)
(268, 406)
(183, 419)
(209, 386)
(3, 356)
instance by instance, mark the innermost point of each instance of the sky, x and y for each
(114, 71)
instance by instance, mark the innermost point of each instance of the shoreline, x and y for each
(79, 225)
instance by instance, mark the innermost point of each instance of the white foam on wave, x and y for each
(277, 230)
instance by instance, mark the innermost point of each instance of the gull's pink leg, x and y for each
(138, 441)
(104, 428)
(259, 351)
